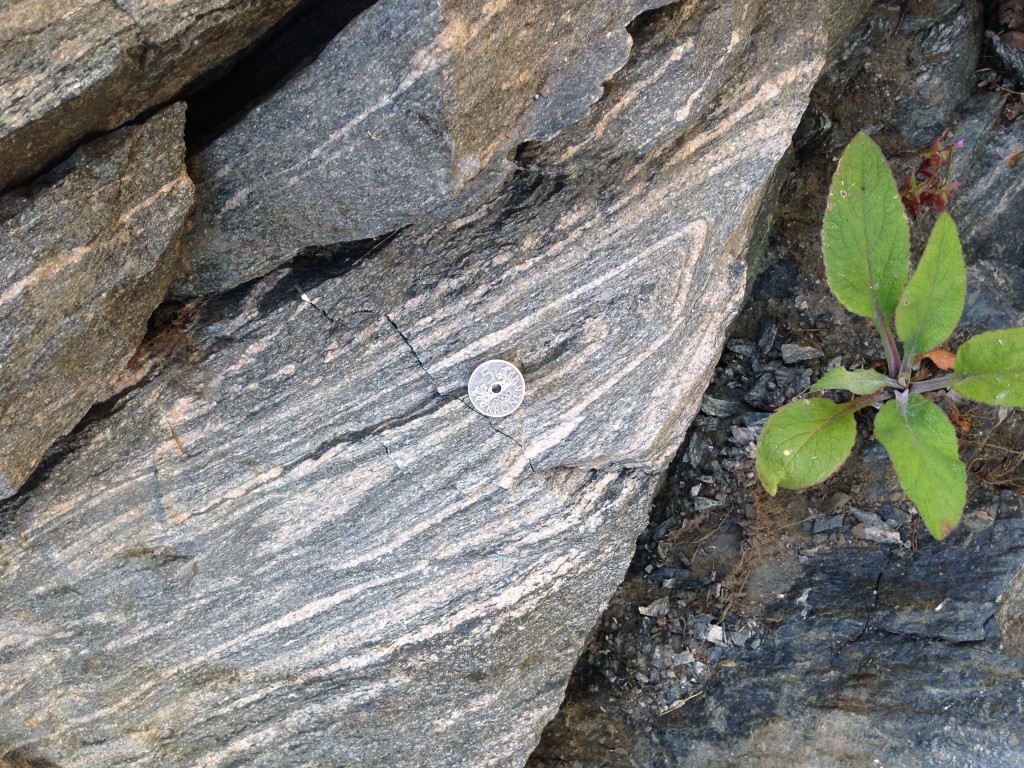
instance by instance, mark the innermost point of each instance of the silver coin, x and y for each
(496, 388)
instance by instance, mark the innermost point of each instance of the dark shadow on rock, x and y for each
(18, 759)
(217, 101)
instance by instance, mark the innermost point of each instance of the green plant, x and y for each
(866, 248)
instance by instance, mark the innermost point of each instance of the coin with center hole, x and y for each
(496, 388)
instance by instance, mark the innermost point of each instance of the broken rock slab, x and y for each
(86, 255)
(412, 107)
(358, 146)
(298, 544)
(70, 69)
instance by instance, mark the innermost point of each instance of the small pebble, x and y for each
(794, 353)
(741, 347)
(720, 407)
(767, 338)
(870, 519)
(700, 503)
(830, 523)
(894, 516)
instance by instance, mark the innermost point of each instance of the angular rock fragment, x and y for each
(1011, 58)
(794, 353)
(73, 68)
(85, 258)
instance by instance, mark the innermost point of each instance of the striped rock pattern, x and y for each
(295, 543)
(359, 145)
(72, 68)
(85, 258)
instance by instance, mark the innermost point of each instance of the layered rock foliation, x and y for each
(299, 544)
(359, 145)
(989, 210)
(70, 69)
(86, 255)
(874, 658)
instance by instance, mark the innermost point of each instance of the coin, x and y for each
(496, 388)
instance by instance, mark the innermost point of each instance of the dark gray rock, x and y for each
(73, 68)
(876, 657)
(766, 341)
(901, 75)
(298, 544)
(989, 211)
(1011, 58)
(945, 40)
(894, 516)
(794, 353)
(360, 145)
(854, 654)
(742, 347)
(85, 258)
(720, 407)
(830, 523)
(775, 388)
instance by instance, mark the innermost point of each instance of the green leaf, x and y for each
(922, 445)
(933, 300)
(804, 443)
(865, 238)
(861, 382)
(991, 368)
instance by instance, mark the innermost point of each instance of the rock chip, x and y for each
(73, 68)
(794, 353)
(86, 255)
(829, 523)
(1010, 57)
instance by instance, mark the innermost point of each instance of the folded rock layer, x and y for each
(300, 545)
(407, 112)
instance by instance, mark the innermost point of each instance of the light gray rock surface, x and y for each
(296, 543)
(363, 144)
(85, 257)
(73, 68)
(359, 146)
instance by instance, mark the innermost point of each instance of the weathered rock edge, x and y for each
(363, 144)
(85, 258)
(70, 69)
(302, 546)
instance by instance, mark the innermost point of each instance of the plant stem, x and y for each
(892, 355)
(865, 400)
(905, 367)
(930, 385)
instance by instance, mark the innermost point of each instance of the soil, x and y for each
(719, 549)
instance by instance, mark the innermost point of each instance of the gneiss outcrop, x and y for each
(297, 543)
